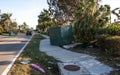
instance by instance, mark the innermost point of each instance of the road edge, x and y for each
(10, 65)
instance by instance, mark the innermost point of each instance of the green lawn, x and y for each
(32, 53)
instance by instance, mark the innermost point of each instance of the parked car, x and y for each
(29, 32)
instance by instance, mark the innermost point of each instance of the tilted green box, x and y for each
(61, 35)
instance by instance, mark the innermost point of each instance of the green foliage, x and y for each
(45, 21)
(65, 10)
(1, 30)
(90, 20)
(15, 31)
(23, 28)
(110, 44)
(13, 25)
(113, 29)
(5, 21)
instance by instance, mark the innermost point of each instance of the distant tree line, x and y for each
(45, 21)
(6, 24)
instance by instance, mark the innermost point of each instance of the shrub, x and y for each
(87, 24)
(114, 29)
(110, 44)
(111, 30)
(1, 30)
(15, 31)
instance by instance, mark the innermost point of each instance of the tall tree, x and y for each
(13, 25)
(89, 19)
(6, 21)
(24, 27)
(64, 10)
(45, 21)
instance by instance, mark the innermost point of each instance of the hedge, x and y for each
(110, 44)
(111, 30)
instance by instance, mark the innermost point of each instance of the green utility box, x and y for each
(61, 35)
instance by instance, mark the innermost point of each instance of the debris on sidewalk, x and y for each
(71, 45)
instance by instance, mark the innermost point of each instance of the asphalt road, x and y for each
(9, 48)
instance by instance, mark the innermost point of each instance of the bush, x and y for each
(15, 31)
(114, 29)
(110, 44)
(111, 30)
(1, 30)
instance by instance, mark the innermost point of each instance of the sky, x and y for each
(113, 4)
(24, 10)
(28, 10)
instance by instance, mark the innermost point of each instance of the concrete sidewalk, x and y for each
(88, 64)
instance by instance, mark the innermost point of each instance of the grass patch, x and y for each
(5, 34)
(32, 53)
(112, 61)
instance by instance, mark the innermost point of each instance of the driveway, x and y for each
(10, 46)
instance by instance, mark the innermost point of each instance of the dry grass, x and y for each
(32, 53)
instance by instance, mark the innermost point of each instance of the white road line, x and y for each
(10, 65)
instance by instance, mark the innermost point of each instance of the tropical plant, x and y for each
(1, 29)
(15, 31)
(24, 27)
(89, 18)
(45, 21)
(6, 21)
(13, 25)
(113, 29)
(64, 10)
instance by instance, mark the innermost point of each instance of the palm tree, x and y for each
(13, 25)
(45, 21)
(24, 27)
(89, 18)
(64, 10)
(6, 21)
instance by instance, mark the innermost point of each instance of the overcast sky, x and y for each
(28, 10)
